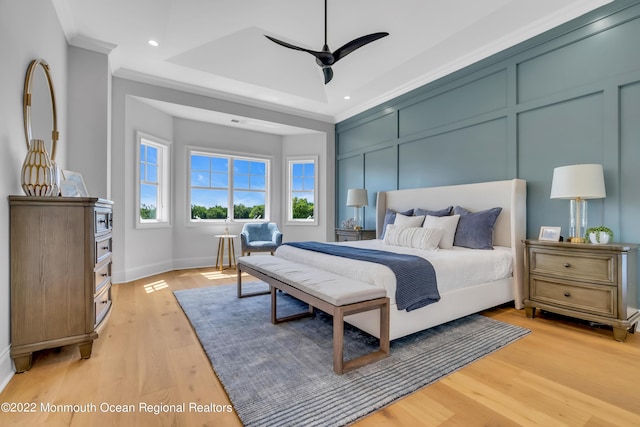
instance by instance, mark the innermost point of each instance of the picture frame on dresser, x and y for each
(550, 234)
(69, 189)
(77, 179)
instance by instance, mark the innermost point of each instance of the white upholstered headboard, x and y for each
(510, 228)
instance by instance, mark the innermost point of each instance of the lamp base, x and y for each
(577, 240)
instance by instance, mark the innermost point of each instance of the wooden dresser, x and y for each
(597, 283)
(60, 273)
(347, 234)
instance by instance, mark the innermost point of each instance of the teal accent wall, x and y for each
(568, 96)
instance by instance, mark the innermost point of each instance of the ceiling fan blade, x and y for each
(324, 57)
(289, 45)
(356, 44)
(328, 74)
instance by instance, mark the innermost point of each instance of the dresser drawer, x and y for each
(103, 248)
(589, 267)
(102, 276)
(600, 300)
(102, 304)
(102, 220)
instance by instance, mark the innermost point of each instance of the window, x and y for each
(302, 190)
(153, 181)
(223, 187)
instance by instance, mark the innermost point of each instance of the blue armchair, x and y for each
(260, 237)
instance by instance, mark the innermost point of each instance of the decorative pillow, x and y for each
(475, 229)
(390, 218)
(409, 221)
(413, 237)
(447, 223)
(441, 212)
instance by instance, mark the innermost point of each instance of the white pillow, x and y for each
(412, 237)
(448, 224)
(408, 221)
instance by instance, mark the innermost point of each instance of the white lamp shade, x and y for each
(578, 181)
(357, 197)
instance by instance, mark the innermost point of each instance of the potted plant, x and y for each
(599, 235)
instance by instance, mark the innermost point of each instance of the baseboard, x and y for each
(125, 276)
(185, 263)
(158, 268)
(6, 368)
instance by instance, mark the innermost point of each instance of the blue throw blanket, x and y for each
(416, 284)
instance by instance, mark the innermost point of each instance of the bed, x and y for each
(465, 283)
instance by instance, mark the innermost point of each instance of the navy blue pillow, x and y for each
(390, 218)
(441, 212)
(475, 229)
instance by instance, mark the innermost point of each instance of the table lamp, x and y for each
(357, 197)
(578, 183)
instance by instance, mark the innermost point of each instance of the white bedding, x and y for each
(455, 268)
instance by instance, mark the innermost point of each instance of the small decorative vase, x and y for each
(55, 187)
(603, 240)
(37, 170)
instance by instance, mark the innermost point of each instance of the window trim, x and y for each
(232, 156)
(290, 161)
(165, 148)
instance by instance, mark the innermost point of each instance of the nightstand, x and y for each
(596, 283)
(347, 234)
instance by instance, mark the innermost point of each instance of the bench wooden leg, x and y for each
(250, 294)
(274, 310)
(340, 366)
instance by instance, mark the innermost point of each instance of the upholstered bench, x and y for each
(333, 294)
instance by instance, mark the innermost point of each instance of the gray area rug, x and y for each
(282, 375)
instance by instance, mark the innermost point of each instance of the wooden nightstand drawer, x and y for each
(591, 282)
(589, 267)
(346, 235)
(600, 300)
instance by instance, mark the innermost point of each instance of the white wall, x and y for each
(89, 141)
(314, 144)
(139, 253)
(194, 243)
(24, 36)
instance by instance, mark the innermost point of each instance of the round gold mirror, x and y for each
(39, 105)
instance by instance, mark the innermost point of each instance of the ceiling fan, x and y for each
(325, 58)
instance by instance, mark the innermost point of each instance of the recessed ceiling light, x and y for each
(153, 43)
(347, 97)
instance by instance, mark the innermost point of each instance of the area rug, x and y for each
(282, 375)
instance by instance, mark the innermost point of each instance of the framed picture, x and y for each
(69, 189)
(551, 234)
(75, 178)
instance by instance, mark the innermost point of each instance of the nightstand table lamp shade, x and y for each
(578, 183)
(357, 198)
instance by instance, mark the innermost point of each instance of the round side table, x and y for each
(227, 239)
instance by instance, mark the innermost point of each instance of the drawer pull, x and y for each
(104, 274)
(567, 265)
(567, 294)
(102, 221)
(105, 248)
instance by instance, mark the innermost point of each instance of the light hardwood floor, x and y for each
(563, 373)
